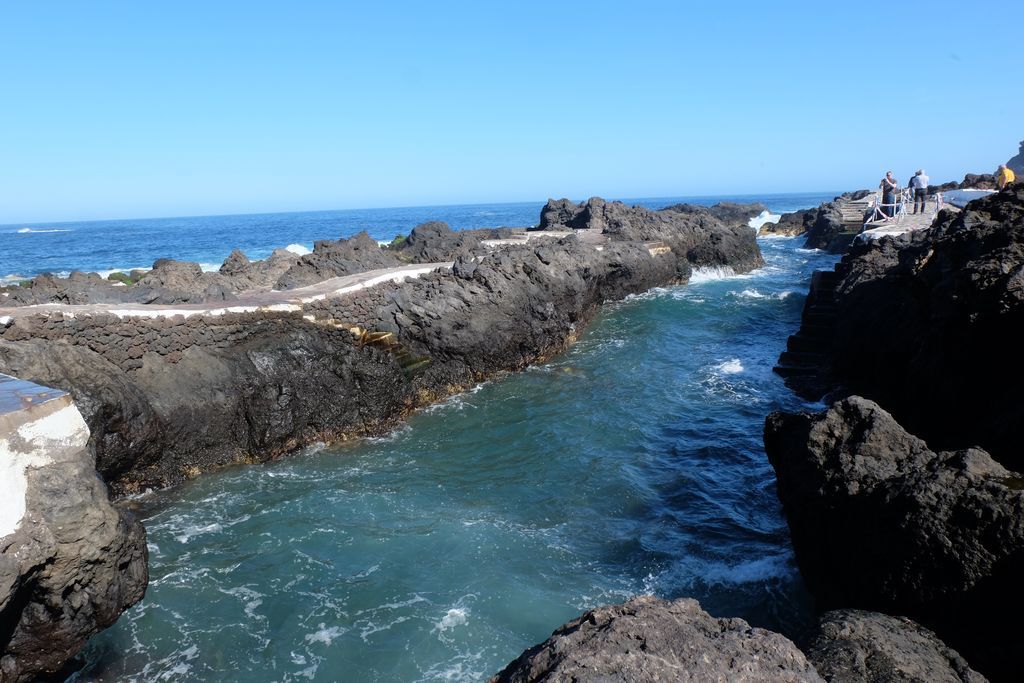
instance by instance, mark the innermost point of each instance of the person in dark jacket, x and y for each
(889, 187)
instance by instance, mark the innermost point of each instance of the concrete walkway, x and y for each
(903, 224)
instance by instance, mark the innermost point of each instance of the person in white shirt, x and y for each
(919, 185)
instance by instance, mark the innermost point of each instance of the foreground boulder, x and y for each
(70, 563)
(853, 646)
(647, 639)
(880, 521)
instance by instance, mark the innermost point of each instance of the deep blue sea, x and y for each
(632, 463)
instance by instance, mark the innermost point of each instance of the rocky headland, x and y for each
(905, 496)
(176, 371)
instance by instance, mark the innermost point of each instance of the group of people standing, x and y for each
(917, 188)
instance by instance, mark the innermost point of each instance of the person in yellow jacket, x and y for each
(1004, 176)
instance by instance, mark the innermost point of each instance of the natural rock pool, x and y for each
(632, 463)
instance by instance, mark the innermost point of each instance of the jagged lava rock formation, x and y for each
(646, 639)
(693, 233)
(880, 521)
(70, 563)
(168, 396)
(928, 326)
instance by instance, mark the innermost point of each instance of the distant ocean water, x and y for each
(632, 463)
(105, 246)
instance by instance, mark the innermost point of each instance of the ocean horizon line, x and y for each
(416, 206)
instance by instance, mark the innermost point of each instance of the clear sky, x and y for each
(134, 109)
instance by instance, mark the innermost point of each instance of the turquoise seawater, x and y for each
(632, 463)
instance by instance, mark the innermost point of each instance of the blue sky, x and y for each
(137, 109)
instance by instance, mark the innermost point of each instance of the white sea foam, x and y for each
(710, 273)
(299, 249)
(190, 532)
(24, 231)
(729, 367)
(764, 217)
(755, 294)
(454, 617)
(325, 634)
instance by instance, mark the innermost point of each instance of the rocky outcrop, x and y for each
(791, 224)
(168, 397)
(1016, 163)
(853, 646)
(647, 639)
(696, 237)
(169, 282)
(434, 242)
(729, 213)
(974, 181)
(927, 326)
(825, 227)
(245, 274)
(880, 521)
(333, 258)
(70, 563)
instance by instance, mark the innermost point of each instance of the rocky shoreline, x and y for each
(185, 371)
(903, 497)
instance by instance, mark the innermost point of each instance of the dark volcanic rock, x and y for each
(178, 282)
(730, 213)
(791, 224)
(435, 242)
(973, 181)
(647, 639)
(336, 258)
(881, 522)
(928, 326)
(866, 647)
(695, 236)
(167, 398)
(74, 563)
(169, 282)
(1016, 164)
(77, 288)
(558, 214)
(243, 274)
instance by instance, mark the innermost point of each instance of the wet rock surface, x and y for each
(791, 224)
(854, 646)
(74, 563)
(882, 522)
(647, 639)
